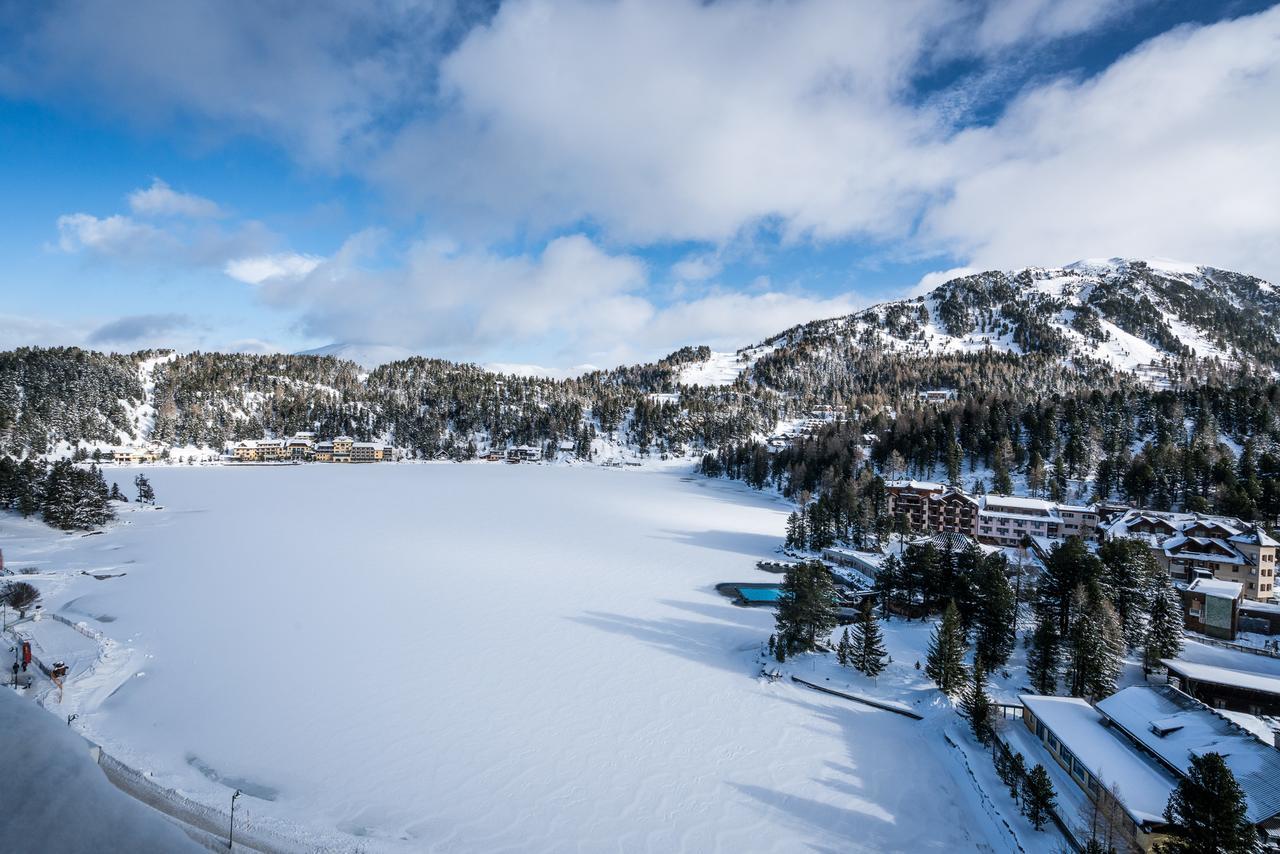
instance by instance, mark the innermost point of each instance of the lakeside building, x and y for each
(1001, 520)
(1005, 519)
(1136, 745)
(927, 506)
(1193, 545)
(130, 456)
(303, 447)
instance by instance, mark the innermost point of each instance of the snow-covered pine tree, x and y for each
(945, 661)
(1164, 625)
(994, 616)
(867, 652)
(806, 607)
(1097, 647)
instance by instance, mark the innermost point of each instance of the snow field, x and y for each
(485, 658)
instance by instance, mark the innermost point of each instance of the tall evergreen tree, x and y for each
(1038, 798)
(1164, 626)
(945, 661)
(867, 650)
(1209, 812)
(976, 705)
(1044, 656)
(994, 618)
(844, 649)
(888, 583)
(1097, 647)
(146, 495)
(806, 607)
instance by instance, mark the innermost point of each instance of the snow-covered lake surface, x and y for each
(480, 658)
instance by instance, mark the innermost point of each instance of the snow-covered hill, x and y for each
(1138, 316)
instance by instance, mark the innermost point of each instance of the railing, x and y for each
(1054, 815)
(1253, 650)
(897, 710)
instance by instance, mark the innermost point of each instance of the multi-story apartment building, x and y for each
(369, 452)
(304, 447)
(931, 507)
(1005, 519)
(1192, 545)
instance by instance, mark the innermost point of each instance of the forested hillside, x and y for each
(1134, 379)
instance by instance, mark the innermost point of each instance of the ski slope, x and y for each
(481, 658)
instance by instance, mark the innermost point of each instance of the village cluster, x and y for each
(1123, 755)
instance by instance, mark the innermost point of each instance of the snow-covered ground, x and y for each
(496, 658)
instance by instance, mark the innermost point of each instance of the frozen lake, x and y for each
(483, 658)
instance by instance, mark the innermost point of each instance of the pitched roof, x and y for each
(1217, 587)
(1256, 765)
(1227, 676)
(1143, 784)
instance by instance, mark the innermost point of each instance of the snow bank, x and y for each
(54, 798)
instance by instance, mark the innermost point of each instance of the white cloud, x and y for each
(115, 235)
(573, 303)
(697, 268)
(1007, 22)
(257, 269)
(1171, 152)
(683, 120)
(167, 228)
(929, 281)
(161, 200)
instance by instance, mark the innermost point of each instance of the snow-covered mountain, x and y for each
(1139, 316)
(1092, 326)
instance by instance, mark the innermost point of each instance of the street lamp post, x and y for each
(231, 831)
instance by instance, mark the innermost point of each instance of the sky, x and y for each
(544, 185)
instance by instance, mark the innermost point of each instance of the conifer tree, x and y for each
(146, 495)
(1017, 773)
(1164, 626)
(1097, 647)
(1043, 657)
(888, 582)
(867, 651)
(1209, 812)
(994, 631)
(1038, 798)
(806, 607)
(844, 649)
(945, 661)
(976, 705)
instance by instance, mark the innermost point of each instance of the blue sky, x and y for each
(577, 182)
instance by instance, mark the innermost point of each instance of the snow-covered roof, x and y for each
(1256, 765)
(1201, 548)
(1255, 536)
(1018, 502)
(1227, 676)
(1143, 785)
(953, 542)
(920, 485)
(1217, 587)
